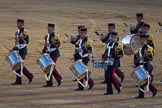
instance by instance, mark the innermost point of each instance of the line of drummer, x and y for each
(139, 43)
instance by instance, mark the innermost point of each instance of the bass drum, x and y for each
(131, 43)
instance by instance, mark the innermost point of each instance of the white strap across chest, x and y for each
(19, 46)
(110, 47)
(81, 52)
(49, 49)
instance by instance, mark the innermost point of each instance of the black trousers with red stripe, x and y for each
(90, 81)
(26, 72)
(118, 72)
(55, 74)
(111, 79)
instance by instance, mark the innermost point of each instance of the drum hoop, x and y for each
(130, 43)
(47, 65)
(80, 61)
(128, 35)
(13, 52)
(82, 73)
(144, 70)
(22, 62)
(45, 54)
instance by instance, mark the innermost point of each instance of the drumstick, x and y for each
(11, 38)
(160, 61)
(97, 33)
(126, 24)
(64, 41)
(66, 35)
(157, 31)
(6, 47)
(124, 31)
(160, 24)
(38, 51)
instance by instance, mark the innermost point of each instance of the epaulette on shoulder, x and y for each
(89, 42)
(149, 48)
(136, 51)
(26, 32)
(57, 37)
(120, 46)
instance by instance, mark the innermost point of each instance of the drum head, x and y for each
(126, 41)
(135, 43)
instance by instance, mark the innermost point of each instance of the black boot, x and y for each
(80, 87)
(18, 79)
(49, 83)
(31, 79)
(141, 93)
(16, 83)
(154, 93)
(109, 81)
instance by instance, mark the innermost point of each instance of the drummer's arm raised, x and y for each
(132, 29)
(74, 39)
(104, 39)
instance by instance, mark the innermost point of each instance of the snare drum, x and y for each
(79, 69)
(140, 75)
(97, 64)
(131, 43)
(15, 60)
(45, 62)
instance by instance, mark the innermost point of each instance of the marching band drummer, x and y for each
(143, 56)
(106, 39)
(114, 51)
(83, 49)
(52, 43)
(145, 30)
(21, 41)
(75, 39)
(140, 22)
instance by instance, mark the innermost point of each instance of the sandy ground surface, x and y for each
(67, 14)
